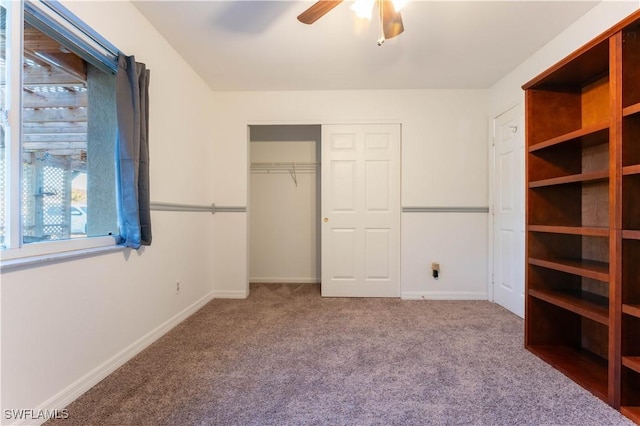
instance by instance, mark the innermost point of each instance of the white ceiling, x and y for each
(260, 45)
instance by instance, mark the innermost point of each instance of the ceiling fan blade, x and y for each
(391, 20)
(317, 11)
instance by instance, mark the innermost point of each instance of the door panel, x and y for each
(361, 210)
(377, 186)
(507, 247)
(378, 254)
(343, 253)
(343, 180)
(506, 202)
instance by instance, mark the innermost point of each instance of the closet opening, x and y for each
(284, 204)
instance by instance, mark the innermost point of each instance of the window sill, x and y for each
(19, 259)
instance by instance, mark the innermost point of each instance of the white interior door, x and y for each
(508, 211)
(360, 210)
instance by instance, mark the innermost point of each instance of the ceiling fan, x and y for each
(388, 12)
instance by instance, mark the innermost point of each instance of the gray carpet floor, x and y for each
(286, 356)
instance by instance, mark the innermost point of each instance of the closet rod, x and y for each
(299, 166)
(312, 166)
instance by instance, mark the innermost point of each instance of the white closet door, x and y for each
(509, 217)
(361, 210)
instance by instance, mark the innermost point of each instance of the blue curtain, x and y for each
(132, 104)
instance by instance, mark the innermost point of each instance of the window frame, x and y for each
(93, 48)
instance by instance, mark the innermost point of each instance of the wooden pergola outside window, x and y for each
(54, 138)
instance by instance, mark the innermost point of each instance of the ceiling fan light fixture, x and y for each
(388, 12)
(399, 4)
(363, 8)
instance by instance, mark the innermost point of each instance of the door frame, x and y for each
(492, 173)
(320, 123)
(248, 193)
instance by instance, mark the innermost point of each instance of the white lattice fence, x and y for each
(28, 200)
(45, 199)
(55, 216)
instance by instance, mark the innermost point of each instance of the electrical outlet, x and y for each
(177, 287)
(435, 270)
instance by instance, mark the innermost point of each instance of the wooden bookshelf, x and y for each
(582, 303)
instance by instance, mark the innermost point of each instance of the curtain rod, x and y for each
(212, 208)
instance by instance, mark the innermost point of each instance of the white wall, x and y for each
(66, 325)
(444, 163)
(283, 237)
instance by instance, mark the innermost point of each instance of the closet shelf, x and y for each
(292, 168)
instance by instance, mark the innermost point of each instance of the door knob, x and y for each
(326, 219)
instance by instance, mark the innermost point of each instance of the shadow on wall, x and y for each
(250, 17)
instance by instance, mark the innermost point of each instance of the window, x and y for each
(57, 158)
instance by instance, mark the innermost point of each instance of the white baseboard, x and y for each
(79, 387)
(287, 280)
(444, 295)
(230, 294)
